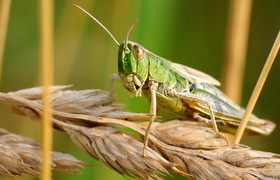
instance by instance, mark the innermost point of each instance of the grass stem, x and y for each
(46, 10)
(257, 89)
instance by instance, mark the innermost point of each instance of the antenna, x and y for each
(98, 23)
(127, 33)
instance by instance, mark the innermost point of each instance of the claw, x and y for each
(144, 149)
(222, 136)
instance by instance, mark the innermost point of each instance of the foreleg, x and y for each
(153, 87)
(114, 77)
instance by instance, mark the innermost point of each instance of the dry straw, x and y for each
(236, 47)
(46, 30)
(4, 18)
(258, 88)
(188, 148)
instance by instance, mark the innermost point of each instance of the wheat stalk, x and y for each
(188, 148)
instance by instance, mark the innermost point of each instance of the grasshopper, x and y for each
(178, 88)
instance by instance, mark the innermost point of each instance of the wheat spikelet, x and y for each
(189, 148)
(20, 155)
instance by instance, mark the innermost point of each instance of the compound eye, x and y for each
(138, 52)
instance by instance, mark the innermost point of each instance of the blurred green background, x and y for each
(192, 33)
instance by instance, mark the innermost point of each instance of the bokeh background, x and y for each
(192, 33)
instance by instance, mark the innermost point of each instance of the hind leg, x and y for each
(193, 98)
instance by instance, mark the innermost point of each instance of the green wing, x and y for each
(194, 76)
(227, 110)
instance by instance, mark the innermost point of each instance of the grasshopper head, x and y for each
(133, 62)
(133, 67)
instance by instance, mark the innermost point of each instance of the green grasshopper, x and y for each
(179, 89)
